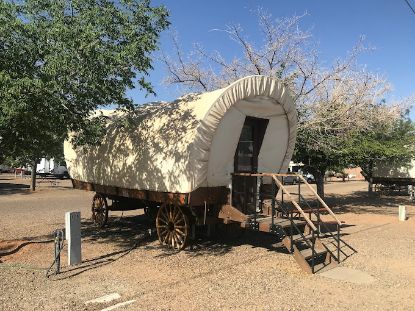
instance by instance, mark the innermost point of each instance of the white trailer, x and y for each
(48, 167)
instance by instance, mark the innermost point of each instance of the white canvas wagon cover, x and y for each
(191, 142)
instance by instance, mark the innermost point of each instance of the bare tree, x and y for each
(332, 101)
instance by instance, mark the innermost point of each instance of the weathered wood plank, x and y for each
(208, 195)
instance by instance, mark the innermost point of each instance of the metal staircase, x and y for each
(307, 227)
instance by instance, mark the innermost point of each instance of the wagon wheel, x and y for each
(99, 210)
(172, 226)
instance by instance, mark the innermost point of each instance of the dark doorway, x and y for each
(246, 161)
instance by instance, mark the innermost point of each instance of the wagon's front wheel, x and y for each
(172, 226)
(99, 210)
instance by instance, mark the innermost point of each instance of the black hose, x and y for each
(59, 241)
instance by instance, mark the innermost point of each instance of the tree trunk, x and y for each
(370, 177)
(318, 173)
(319, 183)
(33, 181)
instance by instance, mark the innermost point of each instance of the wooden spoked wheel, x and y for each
(99, 210)
(172, 226)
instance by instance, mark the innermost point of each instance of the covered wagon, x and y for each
(186, 160)
(391, 176)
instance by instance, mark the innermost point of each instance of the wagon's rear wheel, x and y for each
(99, 210)
(172, 226)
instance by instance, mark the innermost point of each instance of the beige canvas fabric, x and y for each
(190, 143)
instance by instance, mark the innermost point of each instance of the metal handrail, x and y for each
(294, 225)
(304, 181)
(301, 211)
(335, 237)
(309, 222)
(320, 200)
(274, 176)
(264, 174)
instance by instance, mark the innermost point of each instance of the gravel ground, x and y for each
(249, 272)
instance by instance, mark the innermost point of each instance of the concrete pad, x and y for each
(348, 275)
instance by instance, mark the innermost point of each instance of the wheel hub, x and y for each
(170, 226)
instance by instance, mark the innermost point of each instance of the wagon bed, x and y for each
(202, 195)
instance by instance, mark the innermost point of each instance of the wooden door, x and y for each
(246, 161)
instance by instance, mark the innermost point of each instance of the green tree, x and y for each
(317, 159)
(60, 60)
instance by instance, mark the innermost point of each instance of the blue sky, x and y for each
(388, 25)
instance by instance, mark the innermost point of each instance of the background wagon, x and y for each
(388, 177)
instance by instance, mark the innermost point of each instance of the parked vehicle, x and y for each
(48, 168)
(60, 172)
(291, 180)
(6, 169)
(309, 177)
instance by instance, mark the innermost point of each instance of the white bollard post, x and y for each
(73, 237)
(402, 213)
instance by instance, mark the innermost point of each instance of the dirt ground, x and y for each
(247, 272)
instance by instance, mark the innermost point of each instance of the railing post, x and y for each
(256, 201)
(259, 194)
(244, 205)
(318, 221)
(313, 251)
(299, 192)
(338, 243)
(274, 194)
(282, 196)
(291, 231)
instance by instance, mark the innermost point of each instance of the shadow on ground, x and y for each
(13, 188)
(140, 231)
(129, 233)
(363, 203)
(124, 235)
(8, 188)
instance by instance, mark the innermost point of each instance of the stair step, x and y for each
(285, 223)
(299, 237)
(308, 253)
(264, 223)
